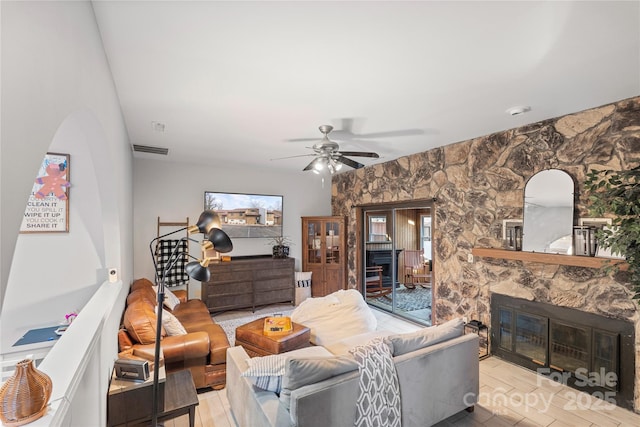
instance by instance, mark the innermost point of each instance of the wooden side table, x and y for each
(251, 337)
(127, 408)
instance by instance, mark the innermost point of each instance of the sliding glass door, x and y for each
(397, 259)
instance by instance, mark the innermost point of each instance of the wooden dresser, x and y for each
(249, 282)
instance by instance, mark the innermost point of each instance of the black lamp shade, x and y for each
(207, 220)
(196, 271)
(221, 242)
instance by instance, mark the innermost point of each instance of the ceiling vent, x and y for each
(150, 149)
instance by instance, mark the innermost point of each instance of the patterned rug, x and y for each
(409, 299)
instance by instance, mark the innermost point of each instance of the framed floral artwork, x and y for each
(47, 209)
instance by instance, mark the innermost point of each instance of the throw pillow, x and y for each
(303, 279)
(170, 299)
(266, 372)
(405, 343)
(171, 324)
(301, 372)
(303, 286)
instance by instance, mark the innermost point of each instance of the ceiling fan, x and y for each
(346, 132)
(328, 155)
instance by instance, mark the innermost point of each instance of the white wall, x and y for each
(57, 94)
(174, 191)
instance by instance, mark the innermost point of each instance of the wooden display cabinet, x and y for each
(324, 253)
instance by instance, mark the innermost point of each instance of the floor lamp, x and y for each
(214, 238)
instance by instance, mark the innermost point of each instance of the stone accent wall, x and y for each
(478, 183)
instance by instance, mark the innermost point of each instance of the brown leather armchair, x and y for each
(202, 350)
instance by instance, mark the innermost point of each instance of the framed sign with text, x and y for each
(48, 205)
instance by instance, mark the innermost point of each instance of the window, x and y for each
(378, 229)
(425, 236)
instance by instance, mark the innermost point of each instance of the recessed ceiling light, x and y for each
(157, 126)
(520, 109)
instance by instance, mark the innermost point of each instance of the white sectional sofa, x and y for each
(438, 377)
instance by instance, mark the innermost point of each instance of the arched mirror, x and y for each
(548, 213)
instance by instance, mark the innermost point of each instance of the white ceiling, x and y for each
(234, 81)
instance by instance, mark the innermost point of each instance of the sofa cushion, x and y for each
(336, 316)
(405, 343)
(140, 320)
(301, 372)
(146, 293)
(141, 283)
(266, 372)
(193, 314)
(342, 347)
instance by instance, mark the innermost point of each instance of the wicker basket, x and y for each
(24, 397)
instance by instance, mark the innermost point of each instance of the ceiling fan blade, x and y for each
(349, 162)
(302, 139)
(291, 157)
(359, 154)
(347, 124)
(391, 133)
(312, 164)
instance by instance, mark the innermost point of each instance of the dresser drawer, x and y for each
(230, 276)
(226, 302)
(270, 297)
(274, 283)
(228, 288)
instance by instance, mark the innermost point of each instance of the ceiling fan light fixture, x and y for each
(328, 154)
(520, 109)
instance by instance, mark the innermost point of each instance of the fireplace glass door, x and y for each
(531, 337)
(505, 340)
(569, 350)
(593, 353)
(605, 357)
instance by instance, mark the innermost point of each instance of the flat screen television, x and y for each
(247, 215)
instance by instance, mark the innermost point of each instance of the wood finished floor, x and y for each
(509, 396)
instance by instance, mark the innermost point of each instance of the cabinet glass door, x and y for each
(314, 242)
(332, 239)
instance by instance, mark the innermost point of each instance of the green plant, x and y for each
(280, 241)
(618, 193)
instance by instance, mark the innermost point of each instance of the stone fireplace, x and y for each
(588, 352)
(479, 183)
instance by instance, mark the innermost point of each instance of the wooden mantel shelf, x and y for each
(557, 259)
